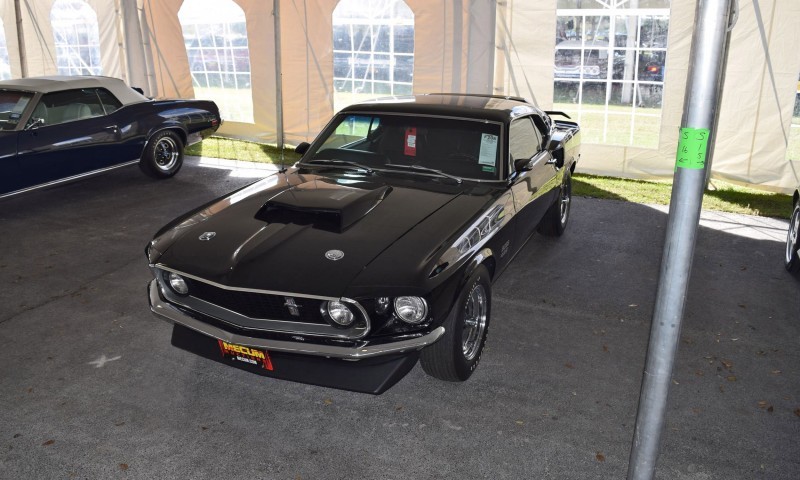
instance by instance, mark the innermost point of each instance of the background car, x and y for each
(377, 249)
(791, 259)
(56, 129)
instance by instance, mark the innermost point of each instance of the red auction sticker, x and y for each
(411, 142)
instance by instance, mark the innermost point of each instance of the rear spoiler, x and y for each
(554, 113)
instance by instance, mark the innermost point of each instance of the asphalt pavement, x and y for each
(90, 386)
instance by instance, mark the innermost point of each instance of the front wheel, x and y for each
(163, 155)
(791, 260)
(454, 357)
(554, 222)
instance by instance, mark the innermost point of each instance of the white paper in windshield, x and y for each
(488, 149)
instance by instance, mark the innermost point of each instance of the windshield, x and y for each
(462, 148)
(12, 104)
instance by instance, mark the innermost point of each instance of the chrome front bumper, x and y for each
(167, 311)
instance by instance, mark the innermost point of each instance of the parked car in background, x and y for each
(378, 248)
(61, 128)
(792, 257)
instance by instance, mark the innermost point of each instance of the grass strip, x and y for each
(720, 196)
(235, 149)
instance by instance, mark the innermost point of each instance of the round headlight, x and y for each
(178, 284)
(339, 313)
(411, 309)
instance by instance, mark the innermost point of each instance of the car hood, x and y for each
(285, 238)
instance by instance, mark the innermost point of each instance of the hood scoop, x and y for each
(324, 205)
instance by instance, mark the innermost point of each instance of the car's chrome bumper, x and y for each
(167, 311)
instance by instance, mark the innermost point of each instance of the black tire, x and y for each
(555, 219)
(790, 260)
(454, 357)
(163, 155)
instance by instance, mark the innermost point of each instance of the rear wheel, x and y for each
(163, 155)
(454, 357)
(555, 219)
(791, 260)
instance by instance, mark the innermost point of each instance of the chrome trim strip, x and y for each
(68, 179)
(163, 309)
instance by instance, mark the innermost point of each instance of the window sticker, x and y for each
(488, 149)
(411, 142)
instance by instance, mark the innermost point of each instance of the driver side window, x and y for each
(67, 106)
(524, 139)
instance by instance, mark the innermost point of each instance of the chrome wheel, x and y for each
(166, 153)
(474, 322)
(454, 357)
(566, 198)
(791, 237)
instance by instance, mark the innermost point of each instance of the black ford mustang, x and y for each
(377, 249)
(57, 129)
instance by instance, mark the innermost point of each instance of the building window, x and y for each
(609, 68)
(77, 38)
(215, 36)
(373, 50)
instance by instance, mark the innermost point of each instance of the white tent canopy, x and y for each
(476, 46)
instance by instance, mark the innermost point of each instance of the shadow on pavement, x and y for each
(92, 388)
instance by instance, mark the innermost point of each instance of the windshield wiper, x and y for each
(425, 170)
(322, 162)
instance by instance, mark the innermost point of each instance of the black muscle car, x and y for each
(792, 259)
(378, 248)
(57, 129)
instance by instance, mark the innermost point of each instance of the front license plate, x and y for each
(249, 355)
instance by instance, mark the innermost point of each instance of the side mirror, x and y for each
(34, 123)
(302, 148)
(522, 164)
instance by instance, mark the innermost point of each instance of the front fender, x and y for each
(447, 293)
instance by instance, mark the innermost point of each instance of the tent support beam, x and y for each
(23, 60)
(703, 93)
(276, 13)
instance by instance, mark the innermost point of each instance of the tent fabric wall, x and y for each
(39, 43)
(9, 19)
(759, 96)
(525, 45)
(307, 56)
(476, 46)
(171, 63)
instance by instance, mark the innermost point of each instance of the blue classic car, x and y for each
(57, 129)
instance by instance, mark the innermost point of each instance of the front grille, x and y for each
(258, 305)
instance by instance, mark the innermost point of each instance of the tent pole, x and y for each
(703, 92)
(23, 61)
(276, 12)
